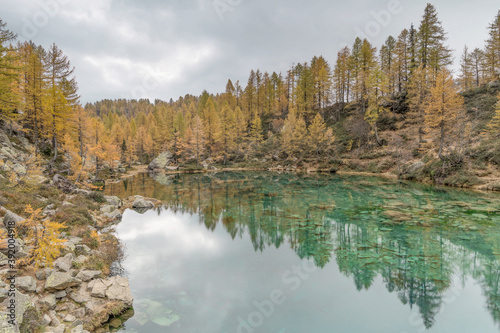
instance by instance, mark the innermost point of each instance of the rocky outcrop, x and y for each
(162, 162)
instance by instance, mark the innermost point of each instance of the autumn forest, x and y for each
(400, 97)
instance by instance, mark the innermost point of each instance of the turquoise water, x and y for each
(266, 252)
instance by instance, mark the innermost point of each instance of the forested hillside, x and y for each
(391, 108)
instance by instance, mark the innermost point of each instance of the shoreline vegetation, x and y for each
(374, 112)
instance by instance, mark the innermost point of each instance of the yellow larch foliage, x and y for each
(42, 237)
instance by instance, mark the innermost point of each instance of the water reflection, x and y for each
(431, 247)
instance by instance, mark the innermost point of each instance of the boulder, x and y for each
(86, 276)
(26, 283)
(119, 290)
(113, 201)
(23, 304)
(69, 318)
(11, 219)
(141, 203)
(65, 263)
(98, 288)
(60, 281)
(48, 302)
(82, 296)
(5, 327)
(161, 162)
(114, 215)
(107, 208)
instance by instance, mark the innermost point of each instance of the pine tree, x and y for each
(492, 53)
(493, 127)
(444, 108)
(432, 51)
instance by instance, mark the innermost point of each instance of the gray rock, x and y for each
(46, 320)
(11, 219)
(114, 215)
(5, 327)
(86, 276)
(60, 294)
(141, 203)
(107, 208)
(23, 303)
(40, 275)
(65, 263)
(98, 288)
(79, 313)
(69, 318)
(67, 204)
(76, 240)
(113, 200)
(26, 283)
(82, 296)
(119, 290)
(161, 162)
(60, 281)
(48, 302)
(79, 329)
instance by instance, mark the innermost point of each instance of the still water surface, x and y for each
(280, 253)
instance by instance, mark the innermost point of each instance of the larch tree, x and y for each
(477, 59)
(198, 138)
(444, 109)
(34, 87)
(62, 92)
(9, 73)
(466, 77)
(341, 76)
(318, 137)
(376, 98)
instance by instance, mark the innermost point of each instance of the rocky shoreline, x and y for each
(66, 298)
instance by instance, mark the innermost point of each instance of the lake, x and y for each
(283, 253)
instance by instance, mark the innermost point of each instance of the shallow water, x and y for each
(280, 253)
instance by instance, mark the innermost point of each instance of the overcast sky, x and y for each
(168, 48)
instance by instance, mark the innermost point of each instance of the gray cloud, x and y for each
(168, 48)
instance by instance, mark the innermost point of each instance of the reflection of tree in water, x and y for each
(321, 216)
